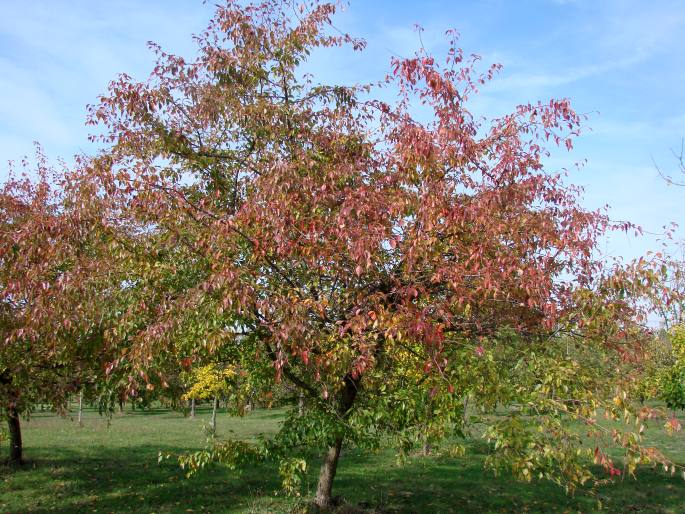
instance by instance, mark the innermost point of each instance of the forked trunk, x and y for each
(324, 489)
(16, 447)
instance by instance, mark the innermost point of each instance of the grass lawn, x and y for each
(112, 467)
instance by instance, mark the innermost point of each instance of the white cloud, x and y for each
(537, 81)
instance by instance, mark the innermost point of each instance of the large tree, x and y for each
(389, 265)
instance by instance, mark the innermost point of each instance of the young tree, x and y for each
(386, 265)
(212, 383)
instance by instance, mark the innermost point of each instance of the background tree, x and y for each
(662, 366)
(52, 290)
(211, 383)
(385, 266)
(670, 377)
(680, 164)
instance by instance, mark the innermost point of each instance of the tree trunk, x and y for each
(464, 415)
(324, 489)
(16, 447)
(80, 409)
(121, 406)
(216, 404)
(192, 408)
(300, 404)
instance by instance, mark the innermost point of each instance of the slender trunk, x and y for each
(16, 447)
(426, 450)
(216, 404)
(464, 414)
(80, 409)
(300, 404)
(324, 489)
(121, 406)
(192, 408)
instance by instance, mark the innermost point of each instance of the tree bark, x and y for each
(192, 408)
(16, 447)
(324, 489)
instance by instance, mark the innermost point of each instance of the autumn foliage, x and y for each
(56, 290)
(391, 267)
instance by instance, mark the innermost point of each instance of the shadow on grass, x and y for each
(130, 480)
(442, 484)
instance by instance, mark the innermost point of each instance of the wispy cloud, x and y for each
(57, 56)
(537, 81)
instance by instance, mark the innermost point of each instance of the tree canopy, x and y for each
(56, 292)
(391, 266)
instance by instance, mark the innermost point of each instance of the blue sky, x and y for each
(622, 62)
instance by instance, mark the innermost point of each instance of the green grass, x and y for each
(112, 467)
